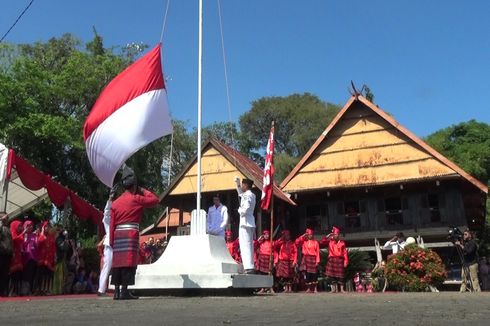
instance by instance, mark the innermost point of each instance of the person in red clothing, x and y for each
(47, 259)
(233, 246)
(16, 267)
(126, 214)
(310, 249)
(285, 260)
(338, 259)
(263, 247)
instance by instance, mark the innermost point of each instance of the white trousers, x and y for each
(106, 269)
(245, 238)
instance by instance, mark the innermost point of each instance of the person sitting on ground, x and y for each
(396, 244)
(80, 282)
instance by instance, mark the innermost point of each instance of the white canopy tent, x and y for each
(15, 198)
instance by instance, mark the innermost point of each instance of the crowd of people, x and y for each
(38, 259)
(151, 250)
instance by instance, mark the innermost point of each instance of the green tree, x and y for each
(466, 144)
(299, 120)
(46, 91)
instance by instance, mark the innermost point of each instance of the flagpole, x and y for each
(272, 217)
(272, 234)
(199, 112)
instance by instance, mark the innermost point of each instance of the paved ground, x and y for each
(447, 308)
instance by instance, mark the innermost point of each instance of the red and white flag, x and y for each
(131, 112)
(268, 173)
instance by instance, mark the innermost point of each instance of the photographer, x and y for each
(470, 254)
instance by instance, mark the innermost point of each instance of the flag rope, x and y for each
(227, 84)
(164, 24)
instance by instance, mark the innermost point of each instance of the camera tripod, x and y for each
(464, 268)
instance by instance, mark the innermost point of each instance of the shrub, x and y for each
(414, 269)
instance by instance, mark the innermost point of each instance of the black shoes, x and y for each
(126, 295)
(250, 271)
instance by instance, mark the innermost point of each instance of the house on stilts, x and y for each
(372, 177)
(220, 163)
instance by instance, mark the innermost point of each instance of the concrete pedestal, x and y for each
(197, 262)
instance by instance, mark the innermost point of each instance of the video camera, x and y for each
(455, 234)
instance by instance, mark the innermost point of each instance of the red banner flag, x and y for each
(268, 173)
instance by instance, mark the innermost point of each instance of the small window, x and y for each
(435, 213)
(314, 217)
(352, 214)
(352, 208)
(393, 204)
(394, 211)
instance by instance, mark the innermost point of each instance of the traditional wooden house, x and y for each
(175, 221)
(220, 163)
(372, 177)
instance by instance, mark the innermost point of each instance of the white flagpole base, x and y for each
(197, 262)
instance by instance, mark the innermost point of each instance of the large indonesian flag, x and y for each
(131, 112)
(268, 173)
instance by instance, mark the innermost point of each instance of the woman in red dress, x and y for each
(16, 230)
(47, 259)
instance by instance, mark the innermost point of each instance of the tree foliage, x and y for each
(467, 144)
(299, 120)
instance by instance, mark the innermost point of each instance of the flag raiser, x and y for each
(131, 112)
(267, 187)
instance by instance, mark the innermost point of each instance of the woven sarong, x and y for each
(126, 246)
(263, 263)
(285, 269)
(335, 267)
(308, 264)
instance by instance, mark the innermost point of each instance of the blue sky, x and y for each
(427, 62)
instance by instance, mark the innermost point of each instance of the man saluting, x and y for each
(247, 222)
(126, 214)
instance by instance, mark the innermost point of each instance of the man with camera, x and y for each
(470, 253)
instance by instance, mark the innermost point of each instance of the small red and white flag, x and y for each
(268, 173)
(131, 112)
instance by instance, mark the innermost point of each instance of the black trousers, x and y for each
(311, 277)
(4, 274)
(123, 276)
(29, 273)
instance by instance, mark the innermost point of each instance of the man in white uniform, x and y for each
(247, 223)
(396, 244)
(217, 218)
(107, 258)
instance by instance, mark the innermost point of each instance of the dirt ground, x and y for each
(446, 308)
